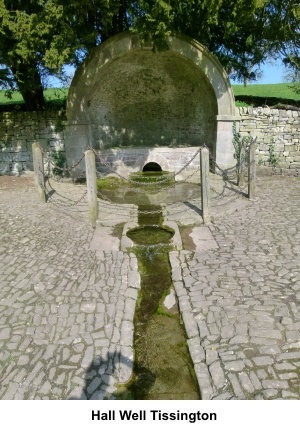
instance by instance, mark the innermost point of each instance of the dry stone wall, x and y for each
(277, 131)
(19, 130)
(278, 138)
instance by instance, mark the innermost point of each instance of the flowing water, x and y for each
(156, 193)
(163, 369)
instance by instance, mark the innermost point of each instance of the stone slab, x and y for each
(103, 240)
(203, 239)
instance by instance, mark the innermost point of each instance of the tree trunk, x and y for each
(30, 86)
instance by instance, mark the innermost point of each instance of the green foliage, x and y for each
(59, 160)
(239, 142)
(37, 38)
(273, 158)
(154, 22)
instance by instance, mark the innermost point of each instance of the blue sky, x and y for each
(273, 73)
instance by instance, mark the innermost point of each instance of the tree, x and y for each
(27, 31)
(37, 37)
(242, 34)
(290, 36)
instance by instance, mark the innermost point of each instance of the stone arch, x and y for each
(81, 103)
(118, 45)
(152, 157)
(152, 166)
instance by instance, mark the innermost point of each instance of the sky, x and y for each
(273, 73)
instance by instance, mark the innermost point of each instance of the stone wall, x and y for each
(142, 100)
(18, 131)
(130, 97)
(129, 160)
(278, 138)
(277, 131)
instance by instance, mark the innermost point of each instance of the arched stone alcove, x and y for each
(126, 96)
(152, 167)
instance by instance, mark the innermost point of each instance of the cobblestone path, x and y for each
(240, 302)
(66, 311)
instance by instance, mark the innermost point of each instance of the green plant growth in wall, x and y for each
(239, 142)
(273, 158)
(58, 160)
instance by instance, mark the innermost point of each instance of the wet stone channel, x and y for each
(163, 369)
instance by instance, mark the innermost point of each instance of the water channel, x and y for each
(163, 369)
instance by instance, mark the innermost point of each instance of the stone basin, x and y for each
(151, 234)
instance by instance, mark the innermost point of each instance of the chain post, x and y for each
(204, 169)
(38, 165)
(241, 165)
(251, 171)
(91, 182)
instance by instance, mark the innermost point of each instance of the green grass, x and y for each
(266, 94)
(255, 94)
(52, 95)
(283, 91)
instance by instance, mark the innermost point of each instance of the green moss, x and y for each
(153, 177)
(161, 311)
(150, 235)
(110, 183)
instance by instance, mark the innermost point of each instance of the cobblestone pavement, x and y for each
(225, 198)
(66, 310)
(240, 302)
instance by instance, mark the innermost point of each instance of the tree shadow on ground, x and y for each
(114, 377)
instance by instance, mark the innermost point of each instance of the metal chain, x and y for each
(63, 169)
(62, 180)
(157, 185)
(102, 161)
(73, 202)
(59, 203)
(120, 207)
(157, 211)
(188, 177)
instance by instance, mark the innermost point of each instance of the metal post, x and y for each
(91, 182)
(204, 172)
(38, 165)
(251, 172)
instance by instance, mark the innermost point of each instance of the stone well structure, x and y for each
(126, 100)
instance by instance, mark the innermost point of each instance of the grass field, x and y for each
(51, 95)
(255, 94)
(282, 91)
